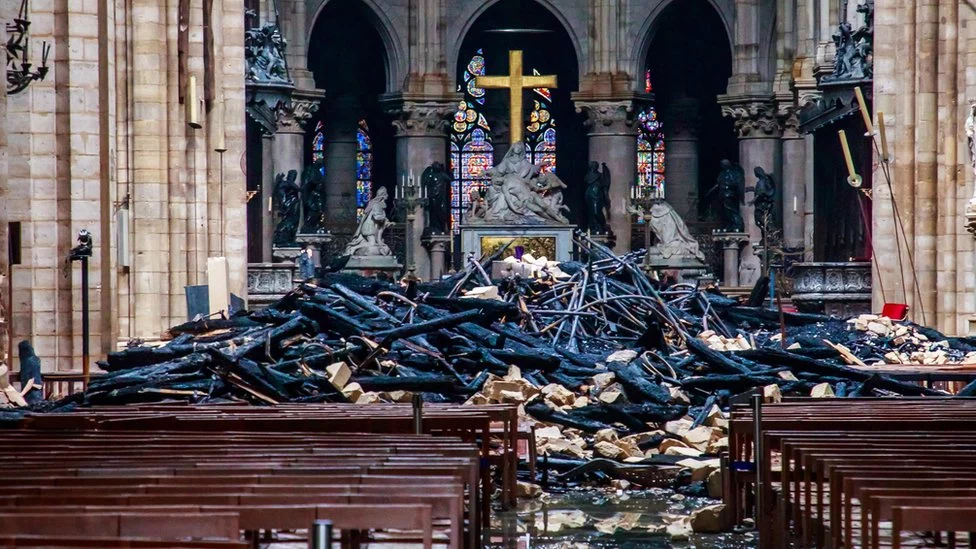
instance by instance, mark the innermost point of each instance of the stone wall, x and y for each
(925, 54)
(6, 12)
(106, 130)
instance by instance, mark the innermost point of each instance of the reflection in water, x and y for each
(605, 519)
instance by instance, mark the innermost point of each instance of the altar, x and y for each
(555, 242)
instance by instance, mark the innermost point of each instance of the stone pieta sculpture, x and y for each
(597, 198)
(368, 239)
(287, 204)
(437, 183)
(521, 194)
(971, 135)
(674, 240)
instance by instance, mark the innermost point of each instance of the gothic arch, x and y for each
(471, 11)
(392, 42)
(645, 35)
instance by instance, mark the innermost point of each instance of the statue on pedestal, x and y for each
(264, 54)
(674, 240)
(764, 198)
(597, 198)
(521, 194)
(437, 183)
(731, 185)
(368, 239)
(287, 204)
(313, 199)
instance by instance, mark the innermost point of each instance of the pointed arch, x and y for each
(396, 57)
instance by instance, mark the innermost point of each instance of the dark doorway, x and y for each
(842, 214)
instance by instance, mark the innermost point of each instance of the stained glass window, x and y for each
(318, 142)
(650, 153)
(471, 150)
(364, 168)
(540, 139)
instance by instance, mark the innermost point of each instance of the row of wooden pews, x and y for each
(131, 471)
(855, 472)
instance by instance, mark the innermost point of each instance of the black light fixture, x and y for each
(20, 70)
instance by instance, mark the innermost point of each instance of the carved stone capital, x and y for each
(753, 117)
(787, 114)
(608, 116)
(420, 117)
(296, 112)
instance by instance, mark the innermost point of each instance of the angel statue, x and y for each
(730, 185)
(764, 194)
(437, 183)
(368, 239)
(597, 198)
(287, 203)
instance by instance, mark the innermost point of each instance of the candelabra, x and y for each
(641, 204)
(408, 196)
(20, 71)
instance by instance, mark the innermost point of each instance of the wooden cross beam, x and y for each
(515, 82)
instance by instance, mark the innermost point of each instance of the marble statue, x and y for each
(763, 198)
(674, 240)
(368, 239)
(731, 185)
(476, 208)
(437, 183)
(971, 136)
(313, 199)
(521, 194)
(597, 198)
(264, 54)
(287, 204)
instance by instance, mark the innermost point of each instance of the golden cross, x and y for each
(515, 82)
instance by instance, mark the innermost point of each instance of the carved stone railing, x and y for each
(268, 282)
(840, 289)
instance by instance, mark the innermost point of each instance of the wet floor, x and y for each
(606, 519)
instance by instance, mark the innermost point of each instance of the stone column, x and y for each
(5, 315)
(758, 131)
(267, 191)
(340, 161)
(288, 148)
(420, 127)
(613, 139)
(681, 120)
(793, 179)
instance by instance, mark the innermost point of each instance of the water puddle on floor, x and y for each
(606, 519)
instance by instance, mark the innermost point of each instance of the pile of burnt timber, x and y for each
(603, 360)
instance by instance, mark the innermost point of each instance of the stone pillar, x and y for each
(759, 146)
(681, 120)
(613, 139)
(267, 191)
(5, 315)
(340, 162)
(437, 245)
(288, 146)
(420, 127)
(793, 179)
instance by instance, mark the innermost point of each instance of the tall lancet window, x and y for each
(318, 142)
(471, 148)
(540, 138)
(650, 149)
(364, 168)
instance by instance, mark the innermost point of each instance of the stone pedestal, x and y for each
(555, 242)
(437, 248)
(613, 140)
(731, 245)
(373, 266)
(317, 242)
(269, 282)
